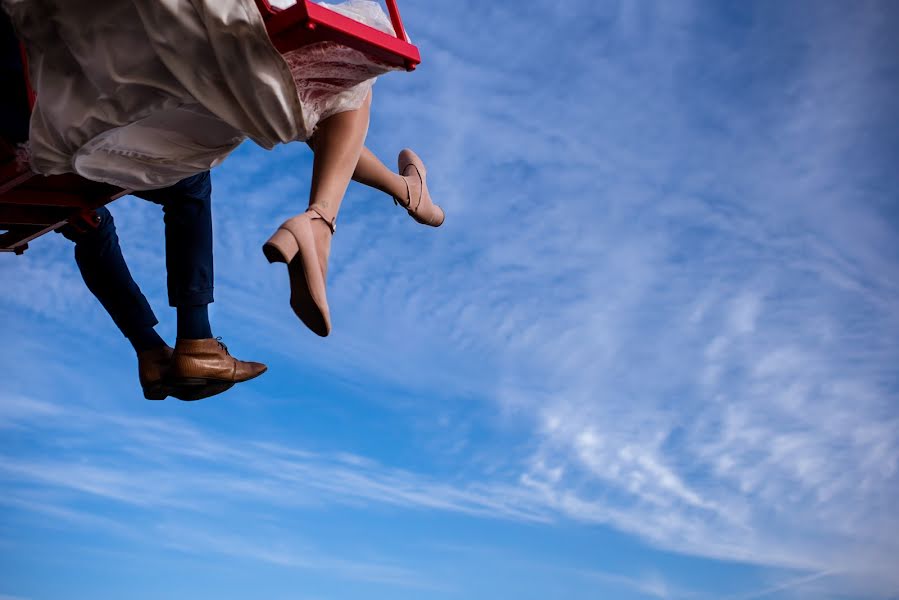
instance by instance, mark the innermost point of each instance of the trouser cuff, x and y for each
(191, 298)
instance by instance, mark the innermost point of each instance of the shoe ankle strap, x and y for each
(331, 222)
(421, 191)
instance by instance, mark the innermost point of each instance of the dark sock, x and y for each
(145, 339)
(193, 322)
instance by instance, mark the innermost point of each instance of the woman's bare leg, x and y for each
(370, 171)
(340, 154)
(337, 144)
(304, 241)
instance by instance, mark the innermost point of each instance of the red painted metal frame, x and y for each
(307, 23)
(32, 205)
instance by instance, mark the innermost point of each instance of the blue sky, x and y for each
(651, 353)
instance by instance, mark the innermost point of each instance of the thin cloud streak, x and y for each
(164, 458)
(791, 584)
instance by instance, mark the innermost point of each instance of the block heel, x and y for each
(281, 247)
(295, 244)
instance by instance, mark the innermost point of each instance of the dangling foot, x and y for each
(304, 243)
(152, 371)
(418, 203)
(203, 368)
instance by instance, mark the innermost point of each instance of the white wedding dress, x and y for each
(142, 93)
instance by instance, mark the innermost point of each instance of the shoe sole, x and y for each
(193, 390)
(190, 392)
(301, 301)
(157, 391)
(190, 389)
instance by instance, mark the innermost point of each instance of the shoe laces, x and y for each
(223, 346)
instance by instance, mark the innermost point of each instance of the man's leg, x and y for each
(201, 365)
(106, 274)
(103, 268)
(188, 251)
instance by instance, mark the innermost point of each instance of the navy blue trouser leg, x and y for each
(106, 274)
(188, 240)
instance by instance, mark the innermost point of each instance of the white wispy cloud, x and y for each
(161, 458)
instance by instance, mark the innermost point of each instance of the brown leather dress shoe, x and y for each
(153, 370)
(203, 368)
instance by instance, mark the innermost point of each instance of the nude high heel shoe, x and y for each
(294, 244)
(421, 209)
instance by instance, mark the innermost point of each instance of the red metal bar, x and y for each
(265, 9)
(17, 214)
(11, 177)
(28, 89)
(307, 22)
(396, 19)
(29, 197)
(16, 238)
(372, 39)
(282, 19)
